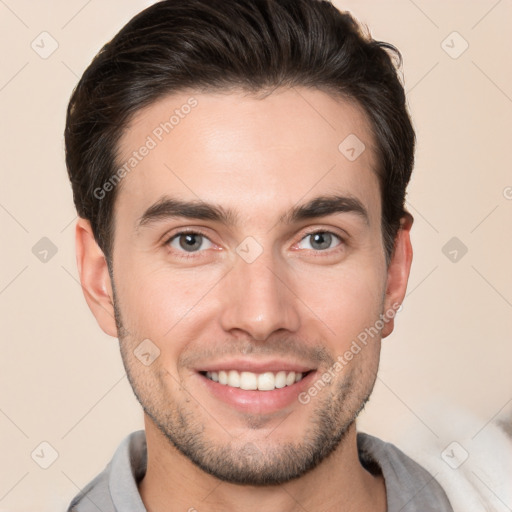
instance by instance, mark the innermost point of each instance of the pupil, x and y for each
(322, 239)
(190, 241)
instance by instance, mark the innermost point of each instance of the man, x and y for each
(239, 169)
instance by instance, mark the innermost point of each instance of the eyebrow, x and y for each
(321, 206)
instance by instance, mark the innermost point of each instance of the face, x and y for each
(248, 263)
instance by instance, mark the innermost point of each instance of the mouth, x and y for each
(250, 381)
(256, 387)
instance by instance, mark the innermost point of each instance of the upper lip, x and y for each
(255, 366)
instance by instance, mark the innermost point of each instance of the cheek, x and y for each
(165, 306)
(347, 300)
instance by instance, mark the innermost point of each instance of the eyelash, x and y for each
(183, 254)
(186, 256)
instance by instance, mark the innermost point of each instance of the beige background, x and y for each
(62, 380)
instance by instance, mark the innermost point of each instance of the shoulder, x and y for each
(409, 486)
(469, 455)
(118, 481)
(95, 494)
(388, 456)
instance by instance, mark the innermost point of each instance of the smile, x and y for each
(249, 381)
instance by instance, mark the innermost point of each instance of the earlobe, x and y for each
(398, 272)
(94, 277)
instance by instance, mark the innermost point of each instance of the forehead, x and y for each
(249, 153)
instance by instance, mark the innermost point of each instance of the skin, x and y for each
(295, 302)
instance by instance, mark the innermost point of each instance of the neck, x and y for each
(340, 483)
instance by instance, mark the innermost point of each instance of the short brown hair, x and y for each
(254, 45)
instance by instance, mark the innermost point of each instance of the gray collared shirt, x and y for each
(409, 487)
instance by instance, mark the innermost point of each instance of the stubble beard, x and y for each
(261, 463)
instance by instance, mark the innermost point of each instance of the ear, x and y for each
(94, 277)
(398, 272)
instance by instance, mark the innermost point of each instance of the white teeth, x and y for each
(223, 377)
(248, 380)
(234, 379)
(267, 381)
(280, 380)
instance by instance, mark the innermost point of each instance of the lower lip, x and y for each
(258, 402)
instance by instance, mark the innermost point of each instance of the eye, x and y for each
(320, 240)
(189, 241)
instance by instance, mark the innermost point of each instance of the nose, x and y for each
(258, 300)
